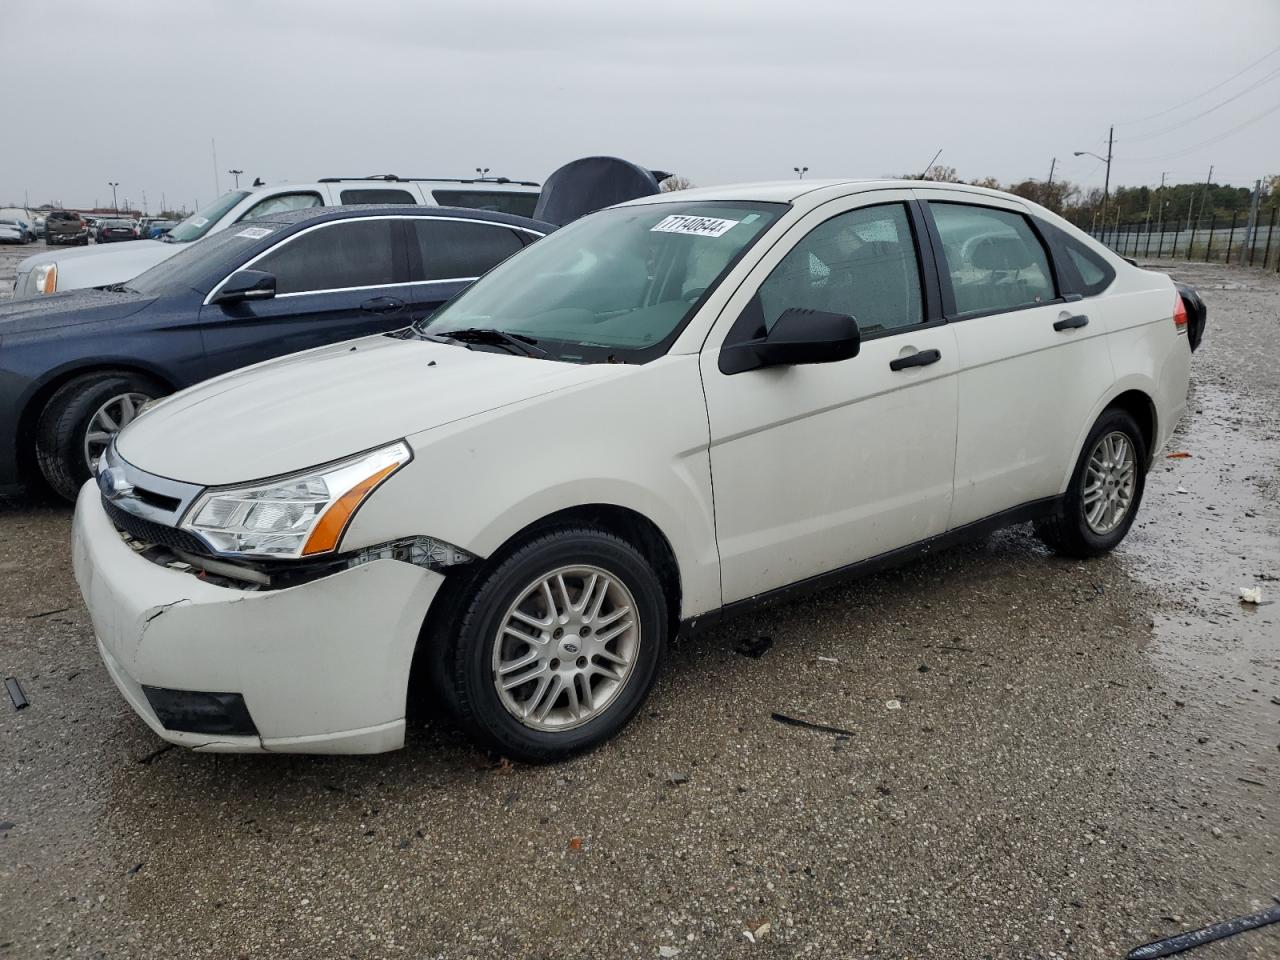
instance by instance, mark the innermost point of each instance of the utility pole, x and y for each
(113, 184)
(236, 174)
(1204, 196)
(800, 171)
(1251, 231)
(1106, 184)
(144, 203)
(1052, 164)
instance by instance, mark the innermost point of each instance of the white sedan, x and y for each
(667, 412)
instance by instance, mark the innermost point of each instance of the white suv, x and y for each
(668, 411)
(53, 272)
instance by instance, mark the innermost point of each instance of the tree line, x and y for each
(1174, 201)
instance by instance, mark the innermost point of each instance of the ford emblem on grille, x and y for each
(113, 484)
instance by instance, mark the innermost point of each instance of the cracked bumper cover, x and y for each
(323, 667)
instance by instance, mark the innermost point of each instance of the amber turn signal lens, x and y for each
(328, 531)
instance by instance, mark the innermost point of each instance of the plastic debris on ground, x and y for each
(893, 704)
(1177, 455)
(810, 725)
(1251, 595)
(1198, 938)
(15, 693)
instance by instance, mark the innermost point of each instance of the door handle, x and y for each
(1071, 323)
(920, 359)
(382, 305)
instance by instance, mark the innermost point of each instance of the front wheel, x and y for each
(558, 647)
(1106, 488)
(80, 421)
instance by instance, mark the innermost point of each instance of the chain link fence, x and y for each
(1212, 239)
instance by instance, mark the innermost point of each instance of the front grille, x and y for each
(150, 532)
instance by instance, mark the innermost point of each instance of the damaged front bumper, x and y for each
(321, 667)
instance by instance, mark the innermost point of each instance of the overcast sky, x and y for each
(717, 91)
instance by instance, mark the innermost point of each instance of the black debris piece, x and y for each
(15, 693)
(155, 754)
(47, 613)
(135, 868)
(6, 826)
(1209, 934)
(793, 722)
(754, 647)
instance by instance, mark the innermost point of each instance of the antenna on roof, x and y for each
(931, 163)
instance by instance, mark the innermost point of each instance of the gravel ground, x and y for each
(1046, 758)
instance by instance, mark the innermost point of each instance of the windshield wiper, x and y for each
(518, 342)
(119, 288)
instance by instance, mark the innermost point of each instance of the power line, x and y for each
(1204, 93)
(1204, 143)
(1204, 113)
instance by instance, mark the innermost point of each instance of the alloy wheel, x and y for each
(566, 648)
(1110, 479)
(109, 419)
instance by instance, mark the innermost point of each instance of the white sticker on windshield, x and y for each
(694, 226)
(199, 221)
(255, 233)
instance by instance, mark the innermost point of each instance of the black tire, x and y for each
(468, 644)
(1067, 531)
(60, 431)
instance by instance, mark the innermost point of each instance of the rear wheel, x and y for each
(80, 421)
(558, 646)
(1106, 488)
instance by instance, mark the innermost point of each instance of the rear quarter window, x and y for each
(1095, 273)
(376, 195)
(500, 201)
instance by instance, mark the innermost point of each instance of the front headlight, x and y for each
(303, 515)
(47, 278)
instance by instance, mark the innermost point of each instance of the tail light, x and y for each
(1179, 313)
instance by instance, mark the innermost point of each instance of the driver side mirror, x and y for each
(798, 336)
(246, 285)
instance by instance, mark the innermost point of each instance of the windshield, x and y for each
(195, 227)
(616, 285)
(205, 262)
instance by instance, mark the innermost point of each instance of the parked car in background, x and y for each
(38, 225)
(158, 228)
(77, 366)
(14, 231)
(43, 274)
(511, 504)
(65, 227)
(113, 231)
(23, 218)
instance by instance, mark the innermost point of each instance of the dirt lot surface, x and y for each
(1047, 758)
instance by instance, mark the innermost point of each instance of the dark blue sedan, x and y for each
(76, 367)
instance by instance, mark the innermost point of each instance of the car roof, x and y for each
(322, 214)
(791, 191)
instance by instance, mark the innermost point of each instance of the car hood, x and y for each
(99, 266)
(73, 309)
(321, 405)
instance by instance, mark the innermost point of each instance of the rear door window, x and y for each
(376, 195)
(356, 253)
(993, 257)
(461, 249)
